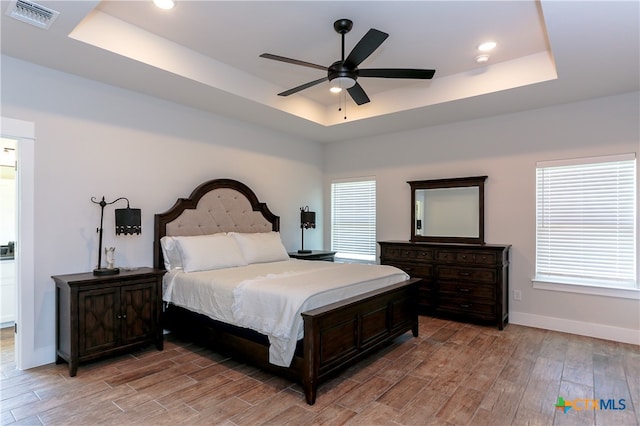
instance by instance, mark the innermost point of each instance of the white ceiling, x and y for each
(205, 54)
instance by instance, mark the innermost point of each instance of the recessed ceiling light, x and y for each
(487, 45)
(164, 4)
(481, 59)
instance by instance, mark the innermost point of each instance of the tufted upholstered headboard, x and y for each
(219, 205)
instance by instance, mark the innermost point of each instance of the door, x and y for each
(139, 304)
(98, 322)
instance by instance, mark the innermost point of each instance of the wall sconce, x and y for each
(127, 222)
(307, 220)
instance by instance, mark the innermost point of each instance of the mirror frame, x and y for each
(463, 182)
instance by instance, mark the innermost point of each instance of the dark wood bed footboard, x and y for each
(335, 336)
(340, 334)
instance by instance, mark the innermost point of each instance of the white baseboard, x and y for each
(606, 332)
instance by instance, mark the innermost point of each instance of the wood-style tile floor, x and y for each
(453, 374)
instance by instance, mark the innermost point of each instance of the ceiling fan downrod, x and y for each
(343, 26)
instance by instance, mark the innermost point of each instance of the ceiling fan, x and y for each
(344, 73)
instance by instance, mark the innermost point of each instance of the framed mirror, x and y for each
(448, 210)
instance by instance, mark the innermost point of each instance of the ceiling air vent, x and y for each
(32, 13)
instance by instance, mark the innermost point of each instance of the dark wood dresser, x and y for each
(468, 282)
(97, 316)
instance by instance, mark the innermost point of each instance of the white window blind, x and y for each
(353, 219)
(586, 221)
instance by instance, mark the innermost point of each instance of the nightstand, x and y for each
(99, 316)
(327, 256)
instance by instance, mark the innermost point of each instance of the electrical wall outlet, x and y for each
(517, 295)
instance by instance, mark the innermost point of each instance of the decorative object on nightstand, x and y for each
(327, 256)
(99, 316)
(127, 222)
(307, 220)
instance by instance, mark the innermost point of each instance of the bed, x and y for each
(339, 313)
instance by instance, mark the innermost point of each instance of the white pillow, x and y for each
(261, 247)
(207, 252)
(170, 253)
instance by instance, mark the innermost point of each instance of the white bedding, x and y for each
(269, 297)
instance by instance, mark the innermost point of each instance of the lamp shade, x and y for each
(307, 219)
(128, 221)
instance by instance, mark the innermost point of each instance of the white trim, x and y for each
(26, 355)
(354, 179)
(622, 293)
(599, 331)
(586, 160)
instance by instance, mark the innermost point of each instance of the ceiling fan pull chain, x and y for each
(344, 100)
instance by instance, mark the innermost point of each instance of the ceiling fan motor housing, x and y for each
(339, 69)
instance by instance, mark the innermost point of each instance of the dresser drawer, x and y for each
(468, 257)
(426, 299)
(467, 274)
(414, 270)
(471, 291)
(409, 253)
(462, 305)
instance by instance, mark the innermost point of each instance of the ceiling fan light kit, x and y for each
(343, 74)
(340, 83)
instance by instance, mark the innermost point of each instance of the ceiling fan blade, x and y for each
(303, 86)
(292, 61)
(396, 73)
(358, 95)
(365, 47)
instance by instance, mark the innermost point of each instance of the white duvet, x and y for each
(269, 297)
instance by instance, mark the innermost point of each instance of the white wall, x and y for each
(95, 140)
(506, 149)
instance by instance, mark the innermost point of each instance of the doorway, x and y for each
(23, 132)
(8, 231)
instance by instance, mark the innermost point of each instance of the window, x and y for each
(586, 222)
(353, 220)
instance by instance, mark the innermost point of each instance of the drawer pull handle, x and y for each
(465, 305)
(464, 273)
(464, 290)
